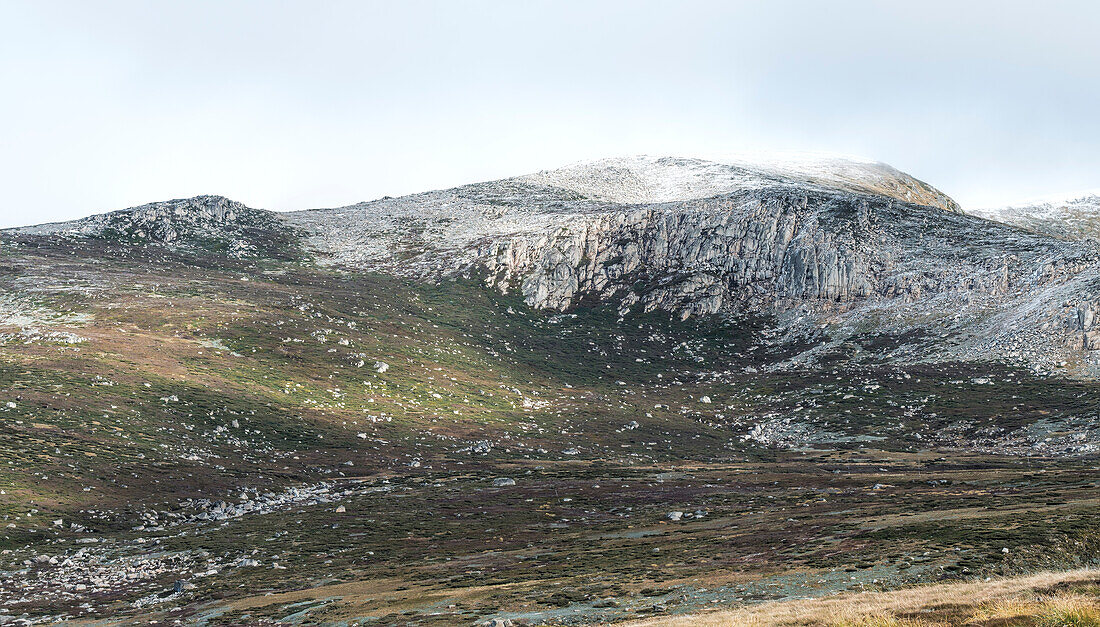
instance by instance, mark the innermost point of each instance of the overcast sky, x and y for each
(292, 105)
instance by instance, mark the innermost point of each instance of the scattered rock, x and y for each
(606, 603)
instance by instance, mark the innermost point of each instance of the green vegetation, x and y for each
(202, 377)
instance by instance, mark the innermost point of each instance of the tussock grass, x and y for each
(1064, 599)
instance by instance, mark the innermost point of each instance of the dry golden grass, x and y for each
(1044, 600)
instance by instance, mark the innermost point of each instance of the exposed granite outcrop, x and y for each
(202, 222)
(772, 248)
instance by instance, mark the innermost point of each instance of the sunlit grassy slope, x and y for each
(1065, 599)
(134, 378)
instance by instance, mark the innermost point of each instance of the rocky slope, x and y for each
(828, 247)
(656, 180)
(831, 247)
(431, 233)
(212, 414)
(1073, 218)
(202, 222)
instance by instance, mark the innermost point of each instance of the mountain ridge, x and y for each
(828, 245)
(1076, 217)
(840, 172)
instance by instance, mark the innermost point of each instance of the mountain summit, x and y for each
(645, 179)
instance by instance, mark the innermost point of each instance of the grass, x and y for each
(289, 356)
(1038, 600)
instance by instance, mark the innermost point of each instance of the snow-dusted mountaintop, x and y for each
(437, 231)
(577, 188)
(446, 223)
(646, 179)
(1074, 216)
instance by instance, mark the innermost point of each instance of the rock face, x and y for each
(1082, 324)
(775, 249)
(203, 222)
(701, 257)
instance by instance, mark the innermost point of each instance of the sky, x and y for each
(294, 105)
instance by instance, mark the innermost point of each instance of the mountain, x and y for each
(829, 246)
(1073, 218)
(579, 395)
(427, 234)
(836, 245)
(214, 223)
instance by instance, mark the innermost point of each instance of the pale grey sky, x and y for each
(293, 105)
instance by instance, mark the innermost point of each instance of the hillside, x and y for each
(203, 223)
(621, 388)
(423, 233)
(1065, 598)
(1073, 218)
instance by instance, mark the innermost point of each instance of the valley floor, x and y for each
(577, 543)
